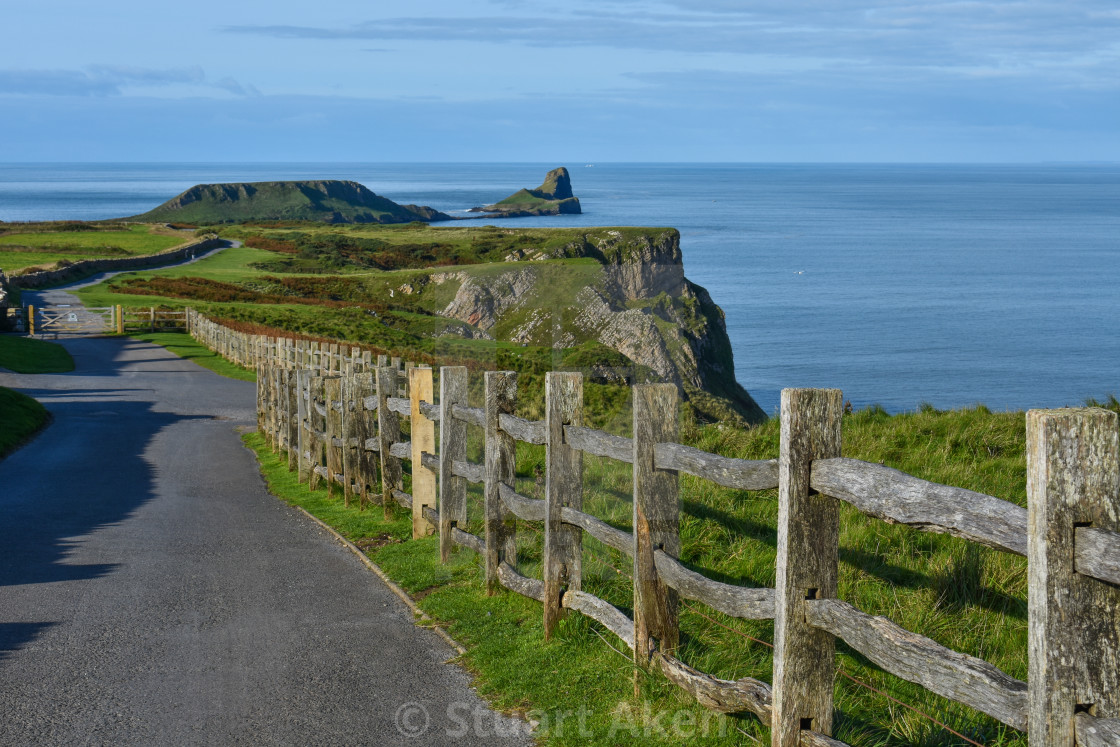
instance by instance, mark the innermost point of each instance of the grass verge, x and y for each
(577, 687)
(968, 598)
(21, 418)
(27, 355)
(185, 346)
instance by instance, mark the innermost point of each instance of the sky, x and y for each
(577, 81)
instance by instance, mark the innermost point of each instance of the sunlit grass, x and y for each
(30, 356)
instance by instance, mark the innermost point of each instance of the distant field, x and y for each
(73, 242)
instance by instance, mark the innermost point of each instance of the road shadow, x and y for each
(14, 636)
(86, 471)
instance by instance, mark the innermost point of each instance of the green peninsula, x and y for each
(612, 302)
(553, 197)
(324, 201)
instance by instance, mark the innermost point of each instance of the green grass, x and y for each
(20, 418)
(228, 265)
(185, 346)
(30, 356)
(400, 310)
(20, 250)
(574, 676)
(966, 597)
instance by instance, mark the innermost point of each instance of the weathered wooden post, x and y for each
(501, 397)
(302, 387)
(1073, 645)
(279, 408)
(656, 522)
(272, 376)
(152, 324)
(452, 448)
(120, 319)
(261, 385)
(388, 432)
(318, 427)
(423, 440)
(332, 394)
(807, 566)
(349, 450)
(563, 543)
(362, 430)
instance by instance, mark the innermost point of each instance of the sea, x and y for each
(902, 285)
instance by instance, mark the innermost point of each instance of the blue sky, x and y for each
(506, 80)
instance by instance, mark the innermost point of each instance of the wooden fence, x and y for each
(337, 414)
(151, 320)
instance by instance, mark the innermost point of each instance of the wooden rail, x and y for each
(151, 319)
(1070, 532)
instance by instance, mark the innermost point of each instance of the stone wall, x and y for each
(86, 267)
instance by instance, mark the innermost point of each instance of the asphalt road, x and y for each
(153, 592)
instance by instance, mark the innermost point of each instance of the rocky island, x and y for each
(553, 197)
(325, 200)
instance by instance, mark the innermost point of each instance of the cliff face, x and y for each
(633, 298)
(329, 201)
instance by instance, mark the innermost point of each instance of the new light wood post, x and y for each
(1073, 645)
(656, 522)
(423, 440)
(501, 397)
(452, 448)
(807, 566)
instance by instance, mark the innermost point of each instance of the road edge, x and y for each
(404, 597)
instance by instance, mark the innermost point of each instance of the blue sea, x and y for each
(899, 284)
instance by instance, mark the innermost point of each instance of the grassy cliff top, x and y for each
(328, 201)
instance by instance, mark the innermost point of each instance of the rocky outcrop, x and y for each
(326, 200)
(480, 302)
(553, 197)
(631, 332)
(638, 303)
